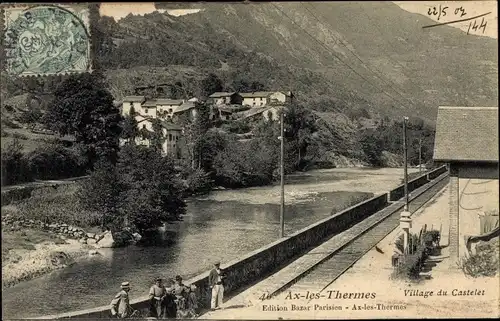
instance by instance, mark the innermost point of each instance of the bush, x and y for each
(30, 116)
(431, 238)
(14, 166)
(54, 161)
(412, 240)
(60, 206)
(485, 263)
(198, 182)
(411, 264)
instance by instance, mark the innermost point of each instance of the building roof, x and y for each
(170, 126)
(466, 134)
(149, 103)
(220, 94)
(185, 106)
(257, 94)
(163, 101)
(134, 99)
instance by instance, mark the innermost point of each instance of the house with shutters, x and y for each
(467, 140)
(166, 111)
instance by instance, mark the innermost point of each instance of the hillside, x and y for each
(351, 63)
(429, 67)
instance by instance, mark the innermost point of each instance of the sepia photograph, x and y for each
(250, 160)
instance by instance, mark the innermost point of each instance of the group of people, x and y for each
(174, 301)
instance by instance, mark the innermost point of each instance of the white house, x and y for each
(256, 99)
(280, 97)
(263, 98)
(172, 134)
(132, 101)
(164, 110)
(167, 107)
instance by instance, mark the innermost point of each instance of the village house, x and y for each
(187, 109)
(172, 134)
(467, 140)
(256, 99)
(166, 110)
(132, 103)
(225, 98)
(264, 98)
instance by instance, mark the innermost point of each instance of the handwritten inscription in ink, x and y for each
(441, 11)
(477, 23)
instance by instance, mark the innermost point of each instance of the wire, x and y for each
(357, 57)
(335, 55)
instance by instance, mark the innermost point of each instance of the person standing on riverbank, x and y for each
(120, 305)
(157, 294)
(216, 284)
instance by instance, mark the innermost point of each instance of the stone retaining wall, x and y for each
(399, 191)
(261, 262)
(60, 229)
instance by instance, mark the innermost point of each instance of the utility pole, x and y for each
(282, 169)
(405, 155)
(405, 219)
(420, 155)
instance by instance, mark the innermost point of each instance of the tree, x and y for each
(130, 128)
(372, 147)
(244, 85)
(151, 193)
(101, 193)
(84, 108)
(299, 127)
(14, 167)
(210, 85)
(194, 133)
(157, 137)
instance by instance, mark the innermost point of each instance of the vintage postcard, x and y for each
(250, 160)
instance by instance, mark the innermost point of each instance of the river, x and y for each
(221, 226)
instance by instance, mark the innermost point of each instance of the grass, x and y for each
(24, 240)
(59, 206)
(29, 140)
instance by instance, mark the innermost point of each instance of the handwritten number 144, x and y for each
(474, 26)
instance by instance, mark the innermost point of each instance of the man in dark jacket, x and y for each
(216, 284)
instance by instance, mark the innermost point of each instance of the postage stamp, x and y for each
(47, 40)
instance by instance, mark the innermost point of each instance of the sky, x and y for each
(472, 8)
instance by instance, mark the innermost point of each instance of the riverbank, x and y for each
(30, 253)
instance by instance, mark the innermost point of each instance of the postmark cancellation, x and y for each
(45, 40)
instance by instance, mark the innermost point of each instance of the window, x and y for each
(254, 99)
(176, 138)
(170, 137)
(143, 126)
(261, 98)
(145, 110)
(170, 110)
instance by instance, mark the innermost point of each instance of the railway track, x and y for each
(324, 274)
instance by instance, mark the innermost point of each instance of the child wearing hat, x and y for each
(120, 305)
